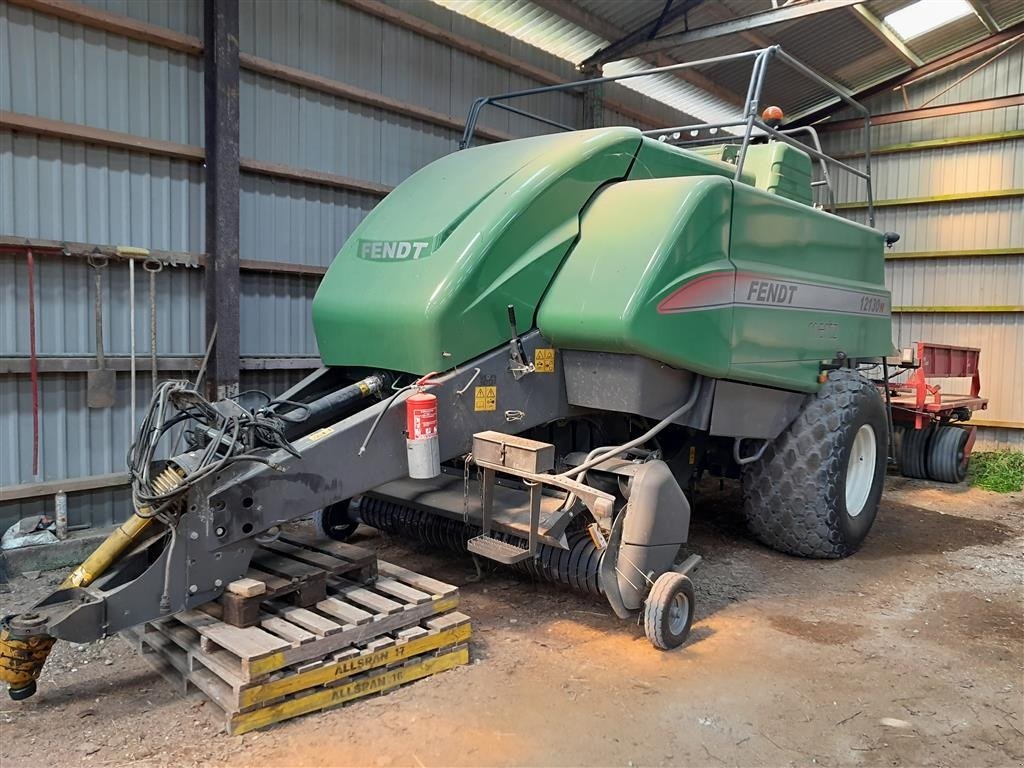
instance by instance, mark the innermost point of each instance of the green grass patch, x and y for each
(999, 471)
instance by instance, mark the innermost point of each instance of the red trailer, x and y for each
(936, 443)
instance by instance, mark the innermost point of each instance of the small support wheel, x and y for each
(947, 455)
(668, 611)
(335, 521)
(915, 452)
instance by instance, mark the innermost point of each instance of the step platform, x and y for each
(497, 550)
(360, 639)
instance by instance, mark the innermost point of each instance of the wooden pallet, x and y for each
(359, 640)
(297, 567)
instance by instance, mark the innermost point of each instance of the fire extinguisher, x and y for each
(421, 436)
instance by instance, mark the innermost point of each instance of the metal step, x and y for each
(446, 495)
(501, 551)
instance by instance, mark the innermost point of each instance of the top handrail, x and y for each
(750, 119)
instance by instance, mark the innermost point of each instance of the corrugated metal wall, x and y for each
(67, 190)
(972, 227)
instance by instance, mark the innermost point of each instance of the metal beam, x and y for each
(44, 126)
(886, 35)
(940, 310)
(60, 364)
(617, 50)
(926, 144)
(588, 21)
(223, 290)
(433, 32)
(737, 26)
(975, 253)
(953, 197)
(984, 16)
(944, 110)
(188, 259)
(348, 92)
(1007, 37)
(68, 485)
(117, 23)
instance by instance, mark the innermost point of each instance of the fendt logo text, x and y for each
(393, 250)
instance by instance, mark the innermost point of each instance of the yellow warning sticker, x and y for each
(320, 434)
(544, 361)
(485, 399)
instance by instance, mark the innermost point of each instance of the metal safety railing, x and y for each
(749, 120)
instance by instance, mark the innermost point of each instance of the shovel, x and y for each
(99, 382)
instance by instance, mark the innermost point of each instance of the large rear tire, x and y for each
(947, 459)
(815, 491)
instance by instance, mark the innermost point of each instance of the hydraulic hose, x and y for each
(599, 455)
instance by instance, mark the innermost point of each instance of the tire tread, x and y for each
(784, 502)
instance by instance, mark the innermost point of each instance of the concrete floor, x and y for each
(909, 653)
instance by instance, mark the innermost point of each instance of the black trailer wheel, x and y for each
(947, 459)
(335, 521)
(914, 452)
(815, 491)
(668, 611)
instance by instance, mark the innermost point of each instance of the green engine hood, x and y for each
(425, 280)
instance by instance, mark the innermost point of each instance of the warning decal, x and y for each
(544, 361)
(320, 434)
(485, 399)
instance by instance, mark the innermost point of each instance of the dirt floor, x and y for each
(909, 653)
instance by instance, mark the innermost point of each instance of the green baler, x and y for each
(607, 240)
(533, 351)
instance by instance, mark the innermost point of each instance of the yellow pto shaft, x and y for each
(24, 643)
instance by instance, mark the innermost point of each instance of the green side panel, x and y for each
(658, 160)
(639, 242)
(424, 281)
(818, 252)
(780, 169)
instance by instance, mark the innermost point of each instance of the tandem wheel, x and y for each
(668, 611)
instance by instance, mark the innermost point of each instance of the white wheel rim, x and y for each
(678, 612)
(860, 470)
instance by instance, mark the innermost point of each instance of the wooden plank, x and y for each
(115, 23)
(247, 587)
(332, 697)
(329, 547)
(345, 91)
(202, 678)
(412, 633)
(46, 127)
(401, 591)
(284, 566)
(308, 620)
(250, 643)
(272, 582)
(311, 176)
(447, 621)
(285, 629)
(349, 614)
(329, 563)
(376, 603)
(380, 644)
(425, 583)
(221, 663)
(349, 635)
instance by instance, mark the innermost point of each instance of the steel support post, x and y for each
(222, 180)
